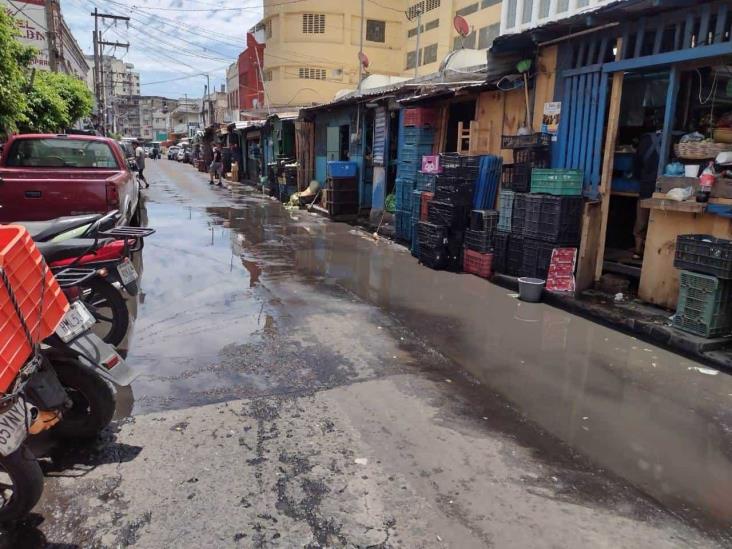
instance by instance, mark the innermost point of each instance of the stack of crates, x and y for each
(416, 138)
(704, 307)
(529, 152)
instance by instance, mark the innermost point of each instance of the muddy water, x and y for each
(214, 278)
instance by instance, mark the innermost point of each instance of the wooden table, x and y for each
(659, 283)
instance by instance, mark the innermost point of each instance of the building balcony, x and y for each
(521, 15)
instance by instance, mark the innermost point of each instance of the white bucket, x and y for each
(691, 170)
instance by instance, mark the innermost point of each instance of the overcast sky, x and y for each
(170, 39)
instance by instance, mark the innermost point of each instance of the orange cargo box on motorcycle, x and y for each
(31, 305)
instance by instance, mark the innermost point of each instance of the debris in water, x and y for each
(585, 418)
(619, 297)
(361, 461)
(707, 371)
(448, 380)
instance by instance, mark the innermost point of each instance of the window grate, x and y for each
(309, 73)
(313, 23)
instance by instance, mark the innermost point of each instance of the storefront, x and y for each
(630, 91)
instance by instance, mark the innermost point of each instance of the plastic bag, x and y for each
(693, 137)
(390, 203)
(680, 193)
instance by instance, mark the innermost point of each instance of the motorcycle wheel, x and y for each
(21, 484)
(92, 398)
(109, 308)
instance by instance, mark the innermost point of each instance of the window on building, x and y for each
(467, 42)
(313, 23)
(528, 9)
(309, 73)
(467, 10)
(488, 3)
(413, 32)
(411, 56)
(487, 35)
(432, 24)
(267, 76)
(375, 31)
(430, 54)
(544, 6)
(511, 13)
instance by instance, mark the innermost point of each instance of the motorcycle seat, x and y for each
(42, 231)
(66, 249)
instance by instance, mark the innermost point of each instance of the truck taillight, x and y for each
(112, 196)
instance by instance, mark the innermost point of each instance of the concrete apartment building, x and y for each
(233, 89)
(311, 47)
(438, 37)
(185, 118)
(120, 78)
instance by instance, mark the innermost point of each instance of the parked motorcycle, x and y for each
(110, 254)
(52, 369)
(76, 226)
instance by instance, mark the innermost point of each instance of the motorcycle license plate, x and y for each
(127, 272)
(76, 321)
(13, 429)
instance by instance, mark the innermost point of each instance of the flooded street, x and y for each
(305, 385)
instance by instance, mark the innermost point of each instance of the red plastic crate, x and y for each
(424, 205)
(477, 263)
(22, 263)
(420, 117)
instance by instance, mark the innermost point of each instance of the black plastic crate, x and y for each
(479, 241)
(459, 194)
(434, 257)
(462, 166)
(446, 213)
(519, 214)
(500, 251)
(554, 219)
(526, 141)
(516, 177)
(704, 254)
(535, 158)
(515, 254)
(482, 220)
(431, 235)
(537, 255)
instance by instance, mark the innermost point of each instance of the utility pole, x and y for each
(360, 49)
(52, 35)
(419, 31)
(99, 44)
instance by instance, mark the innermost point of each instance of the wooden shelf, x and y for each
(669, 205)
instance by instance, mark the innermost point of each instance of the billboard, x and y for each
(30, 20)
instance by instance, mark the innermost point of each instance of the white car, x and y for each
(181, 156)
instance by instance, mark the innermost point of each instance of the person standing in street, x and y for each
(216, 166)
(140, 161)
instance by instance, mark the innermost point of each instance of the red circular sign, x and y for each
(461, 25)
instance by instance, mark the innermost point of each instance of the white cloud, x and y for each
(166, 44)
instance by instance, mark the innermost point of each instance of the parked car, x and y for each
(173, 152)
(43, 176)
(181, 156)
(147, 150)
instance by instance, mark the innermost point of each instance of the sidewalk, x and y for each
(639, 319)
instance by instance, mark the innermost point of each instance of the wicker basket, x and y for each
(723, 135)
(700, 151)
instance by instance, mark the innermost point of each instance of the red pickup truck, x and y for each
(47, 176)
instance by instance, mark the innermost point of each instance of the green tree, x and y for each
(46, 110)
(15, 58)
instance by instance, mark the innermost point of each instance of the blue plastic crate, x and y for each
(415, 241)
(416, 203)
(403, 225)
(340, 169)
(404, 189)
(418, 136)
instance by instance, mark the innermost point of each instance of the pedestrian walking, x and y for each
(140, 161)
(216, 167)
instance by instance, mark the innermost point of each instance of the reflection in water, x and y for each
(633, 408)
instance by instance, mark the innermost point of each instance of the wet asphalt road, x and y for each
(306, 385)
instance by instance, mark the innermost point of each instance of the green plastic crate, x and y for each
(558, 182)
(705, 305)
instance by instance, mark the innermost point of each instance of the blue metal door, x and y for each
(579, 144)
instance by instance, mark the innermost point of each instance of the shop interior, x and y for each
(703, 103)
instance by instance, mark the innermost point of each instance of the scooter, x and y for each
(75, 226)
(111, 257)
(59, 385)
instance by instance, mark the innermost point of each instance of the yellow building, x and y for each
(438, 36)
(312, 47)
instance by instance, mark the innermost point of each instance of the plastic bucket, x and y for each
(691, 170)
(530, 289)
